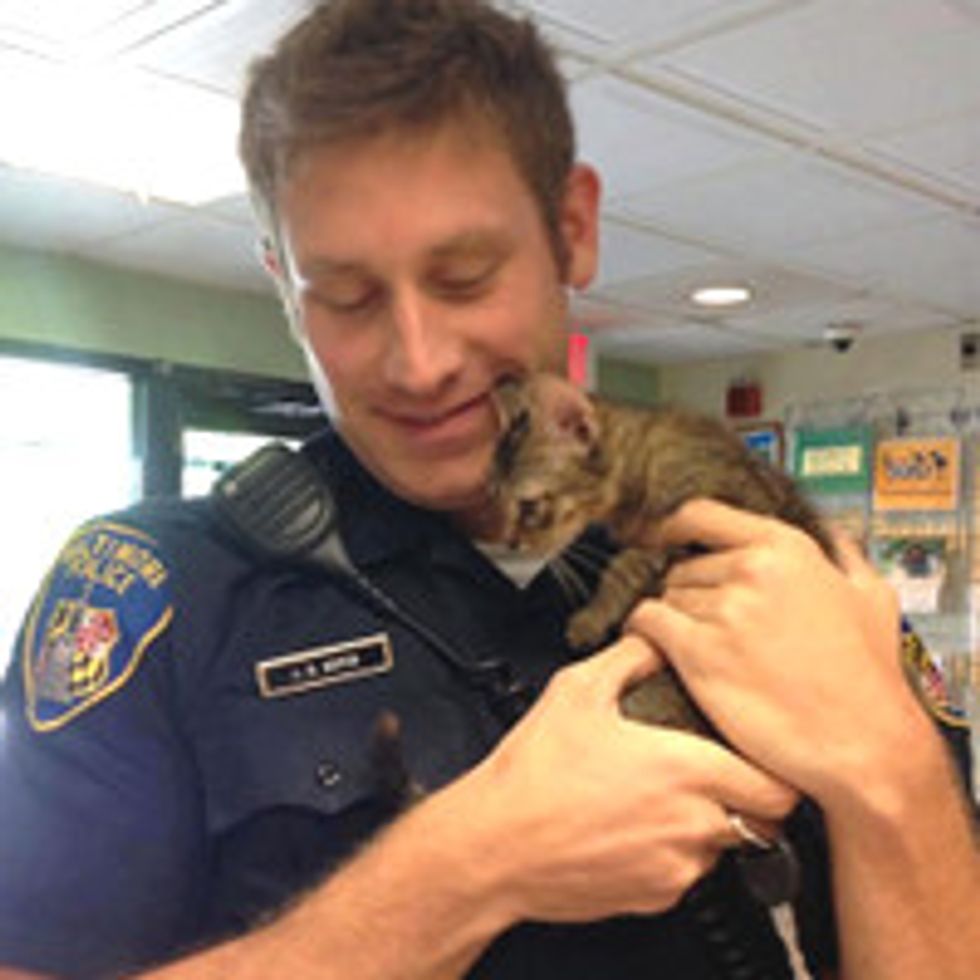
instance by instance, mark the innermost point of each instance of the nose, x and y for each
(423, 350)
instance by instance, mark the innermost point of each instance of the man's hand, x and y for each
(586, 813)
(795, 659)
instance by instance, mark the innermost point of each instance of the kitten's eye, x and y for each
(526, 510)
(533, 512)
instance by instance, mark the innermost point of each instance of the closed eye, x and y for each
(462, 288)
(510, 442)
(346, 303)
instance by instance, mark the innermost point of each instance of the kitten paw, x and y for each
(585, 631)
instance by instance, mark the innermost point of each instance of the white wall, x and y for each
(910, 361)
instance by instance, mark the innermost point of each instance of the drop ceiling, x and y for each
(825, 152)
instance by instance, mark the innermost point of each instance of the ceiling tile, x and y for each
(628, 253)
(617, 22)
(118, 126)
(933, 261)
(598, 313)
(688, 190)
(766, 206)
(54, 23)
(47, 212)
(848, 65)
(235, 208)
(806, 322)
(215, 50)
(949, 150)
(197, 248)
(639, 139)
(773, 289)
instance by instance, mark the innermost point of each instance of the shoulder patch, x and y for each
(104, 601)
(928, 680)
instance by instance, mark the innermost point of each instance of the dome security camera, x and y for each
(841, 336)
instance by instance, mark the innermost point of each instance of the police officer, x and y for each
(200, 746)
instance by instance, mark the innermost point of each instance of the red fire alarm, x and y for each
(743, 399)
(578, 359)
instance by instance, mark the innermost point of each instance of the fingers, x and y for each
(608, 673)
(711, 569)
(716, 770)
(663, 626)
(740, 786)
(712, 524)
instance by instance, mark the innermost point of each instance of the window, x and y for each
(208, 454)
(80, 438)
(223, 418)
(65, 455)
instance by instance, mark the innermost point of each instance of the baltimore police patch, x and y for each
(928, 680)
(101, 606)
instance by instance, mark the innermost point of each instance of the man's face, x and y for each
(420, 273)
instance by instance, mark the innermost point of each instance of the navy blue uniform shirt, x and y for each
(188, 735)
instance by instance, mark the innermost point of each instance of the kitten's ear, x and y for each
(570, 411)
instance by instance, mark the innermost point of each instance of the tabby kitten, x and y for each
(566, 460)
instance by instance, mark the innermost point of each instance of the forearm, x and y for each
(415, 904)
(906, 868)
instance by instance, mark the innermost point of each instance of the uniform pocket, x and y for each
(290, 791)
(311, 752)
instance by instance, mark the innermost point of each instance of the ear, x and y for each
(579, 224)
(274, 264)
(270, 259)
(569, 411)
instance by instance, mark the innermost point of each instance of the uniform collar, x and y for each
(375, 524)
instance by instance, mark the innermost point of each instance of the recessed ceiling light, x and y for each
(721, 295)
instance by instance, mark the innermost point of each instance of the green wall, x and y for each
(628, 381)
(67, 302)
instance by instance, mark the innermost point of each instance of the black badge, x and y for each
(308, 670)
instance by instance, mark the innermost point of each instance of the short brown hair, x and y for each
(353, 68)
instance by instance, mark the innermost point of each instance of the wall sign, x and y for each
(833, 461)
(917, 474)
(764, 440)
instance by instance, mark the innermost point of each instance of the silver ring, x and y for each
(746, 835)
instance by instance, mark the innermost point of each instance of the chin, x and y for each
(449, 497)
(443, 490)
(449, 484)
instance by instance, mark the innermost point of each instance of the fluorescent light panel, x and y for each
(119, 127)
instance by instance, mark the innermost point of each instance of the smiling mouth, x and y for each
(424, 422)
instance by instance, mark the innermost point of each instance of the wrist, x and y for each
(888, 773)
(464, 848)
(424, 880)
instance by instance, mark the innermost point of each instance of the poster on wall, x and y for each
(833, 460)
(915, 566)
(765, 440)
(917, 474)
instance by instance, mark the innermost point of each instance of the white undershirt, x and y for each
(521, 568)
